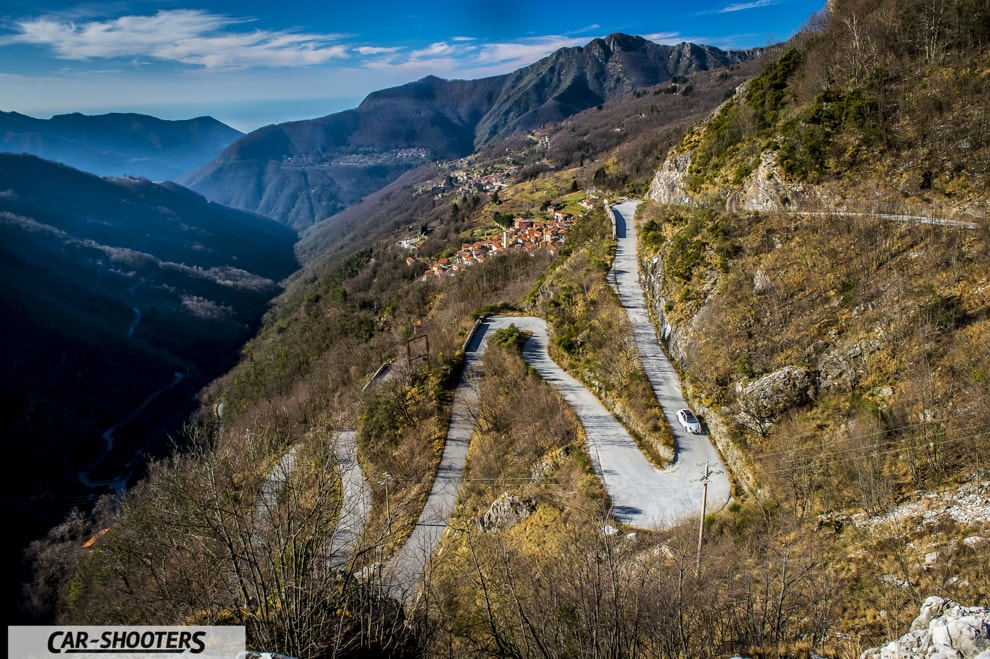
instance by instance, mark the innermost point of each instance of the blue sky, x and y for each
(254, 62)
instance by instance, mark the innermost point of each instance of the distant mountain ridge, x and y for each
(304, 171)
(118, 144)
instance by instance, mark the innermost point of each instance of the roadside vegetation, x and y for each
(876, 105)
(882, 319)
(591, 336)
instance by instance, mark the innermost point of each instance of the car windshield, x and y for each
(689, 417)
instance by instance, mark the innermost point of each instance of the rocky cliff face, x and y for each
(942, 630)
(670, 183)
(764, 189)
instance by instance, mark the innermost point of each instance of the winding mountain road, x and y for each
(356, 504)
(119, 482)
(355, 501)
(642, 496)
(693, 452)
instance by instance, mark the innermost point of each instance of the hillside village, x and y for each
(466, 176)
(528, 235)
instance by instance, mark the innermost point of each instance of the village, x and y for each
(528, 235)
(465, 177)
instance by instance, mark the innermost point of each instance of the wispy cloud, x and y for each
(474, 55)
(740, 6)
(435, 50)
(668, 38)
(211, 41)
(467, 59)
(744, 6)
(524, 52)
(376, 50)
(188, 36)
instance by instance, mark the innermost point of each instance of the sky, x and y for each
(250, 63)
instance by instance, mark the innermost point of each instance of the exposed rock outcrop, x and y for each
(840, 369)
(766, 190)
(670, 183)
(762, 401)
(505, 512)
(942, 630)
(968, 505)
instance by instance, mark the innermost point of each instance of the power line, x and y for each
(853, 448)
(872, 452)
(884, 431)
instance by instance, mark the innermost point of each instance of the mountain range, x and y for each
(118, 144)
(305, 171)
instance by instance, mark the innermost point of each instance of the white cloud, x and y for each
(667, 38)
(376, 50)
(745, 6)
(468, 59)
(188, 36)
(463, 58)
(438, 49)
(523, 53)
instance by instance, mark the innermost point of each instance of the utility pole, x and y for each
(704, 504)
(386, 477)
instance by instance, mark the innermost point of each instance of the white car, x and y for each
(689, 421)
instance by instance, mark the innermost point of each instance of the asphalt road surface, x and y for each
(681, 482)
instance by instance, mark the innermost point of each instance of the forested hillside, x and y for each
(117, 313)
(837, 356)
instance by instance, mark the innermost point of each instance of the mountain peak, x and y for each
(620, 41)
(431, 118)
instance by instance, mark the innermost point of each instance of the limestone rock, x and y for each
(765, 189)
(761, 281)
(942, 630)
(975, 542)
(761, 402)
(504, 513)
(670, 183)
(840, 369)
